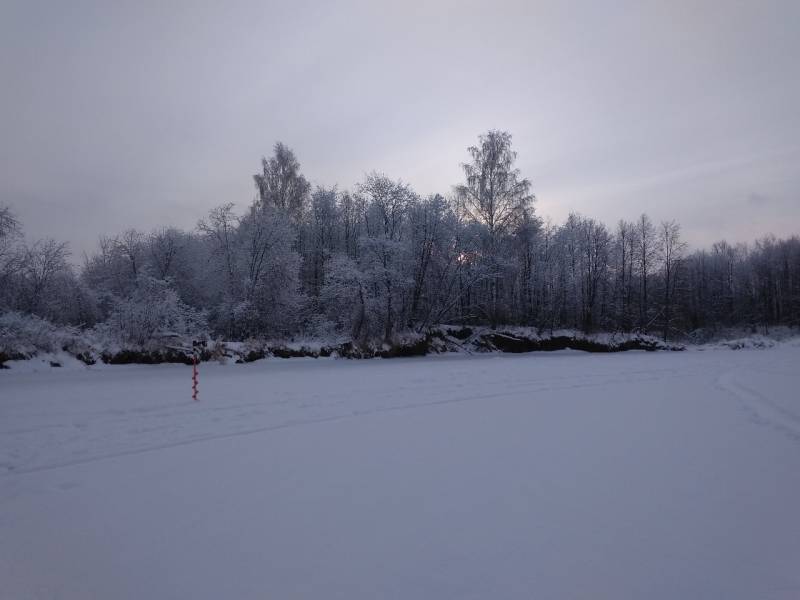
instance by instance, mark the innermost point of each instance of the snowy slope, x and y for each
(560, 475)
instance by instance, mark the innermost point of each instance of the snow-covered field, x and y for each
(563, 476)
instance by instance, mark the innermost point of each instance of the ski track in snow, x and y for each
(124, 431)
(761, 409)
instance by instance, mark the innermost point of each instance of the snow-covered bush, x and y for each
(26, 335)
(739, 338)
(151, 314)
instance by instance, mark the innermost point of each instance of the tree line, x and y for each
(379, 259)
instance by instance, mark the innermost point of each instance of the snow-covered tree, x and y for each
(495, 196)
(280, 183)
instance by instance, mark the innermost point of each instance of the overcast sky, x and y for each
(136, 114)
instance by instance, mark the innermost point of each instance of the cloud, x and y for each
(114, 116)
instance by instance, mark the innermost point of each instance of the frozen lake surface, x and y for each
(564, 476)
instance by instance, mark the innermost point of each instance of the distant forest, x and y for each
(379, 260)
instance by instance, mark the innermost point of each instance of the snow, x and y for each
(545, 475)
(45, 361)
